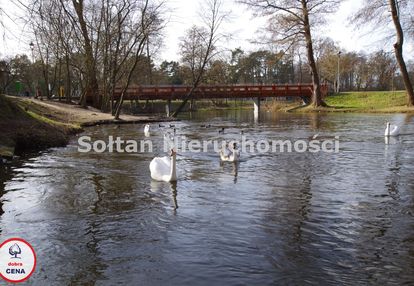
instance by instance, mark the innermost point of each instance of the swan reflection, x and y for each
(235, 169)
(162, 187)
(390, 140)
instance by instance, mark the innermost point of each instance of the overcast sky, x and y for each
(241, 25)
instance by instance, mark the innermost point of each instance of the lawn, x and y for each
(368, 100)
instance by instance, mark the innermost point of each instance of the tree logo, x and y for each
(17, 260)
(14, 250)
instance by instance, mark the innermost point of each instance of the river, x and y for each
(273, 219)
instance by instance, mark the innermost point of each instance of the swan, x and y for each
(230, 155)
(147, 130)
(225, 153)
(164, 168)
(236, 153)
(394, 131)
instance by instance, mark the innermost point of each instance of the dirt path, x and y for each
(74, 114)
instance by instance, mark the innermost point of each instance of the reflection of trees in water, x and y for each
(319, 121)
(287, 214)
(97, 181)
(315, 120)
(408, 117)
(387, 227)
(393, 166)
(95, 266)
(5, 175)
(300, 206)
(114, 194)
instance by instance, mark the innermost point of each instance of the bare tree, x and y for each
(94, 43)
(213, 19)
(399, 12)
(92, 81)
(291, 23)
(149, 23)
(398, 48)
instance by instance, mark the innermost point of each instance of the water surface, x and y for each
(273, 219)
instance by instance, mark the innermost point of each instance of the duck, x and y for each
(147, 130)
(164, 168)
(391, 130)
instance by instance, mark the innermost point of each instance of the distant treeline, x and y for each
(358, 71)
(86, 49)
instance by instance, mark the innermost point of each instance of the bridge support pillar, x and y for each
(168, 108)
(256, 103)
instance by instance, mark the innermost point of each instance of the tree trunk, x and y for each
(45, 68)
(317, 94)
(131, 71)
(92, 88)
(68, 92)
(398, 47)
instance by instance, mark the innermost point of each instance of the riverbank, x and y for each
(363, 102)
(28, 125)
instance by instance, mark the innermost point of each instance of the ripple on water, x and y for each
(288, 219)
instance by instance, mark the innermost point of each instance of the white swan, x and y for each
(164, 168)
(230, 155)
(225, 153)
(391, 130)
(147, 130)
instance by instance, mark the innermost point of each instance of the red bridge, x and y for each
(173, 92)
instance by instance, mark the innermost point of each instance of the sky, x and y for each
(241, 25)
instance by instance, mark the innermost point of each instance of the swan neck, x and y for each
(234, 154)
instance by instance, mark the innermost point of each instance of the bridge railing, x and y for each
(172, 92)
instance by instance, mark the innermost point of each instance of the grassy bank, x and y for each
(25, 128)
(28, 125)
(365, 101)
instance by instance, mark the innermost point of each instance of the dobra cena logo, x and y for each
(17, 260)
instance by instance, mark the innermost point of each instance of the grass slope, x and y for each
(24, 129)
(365, 101)
(368, 100)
